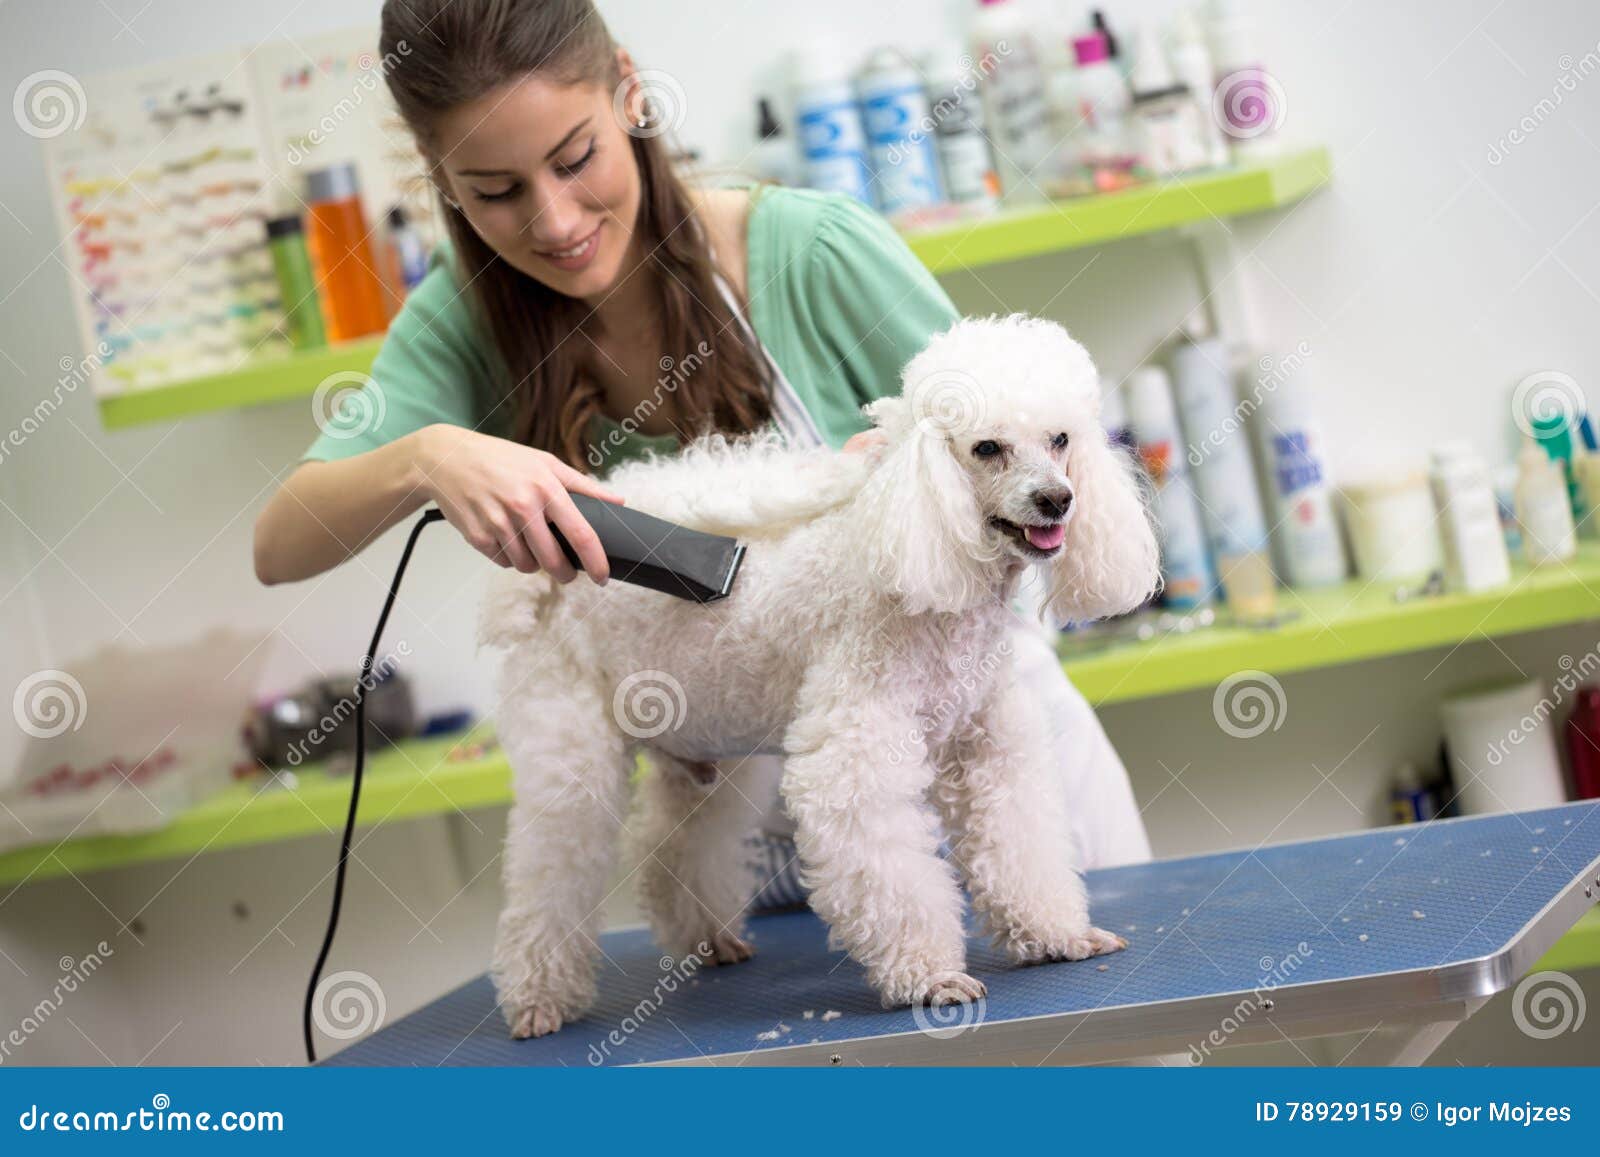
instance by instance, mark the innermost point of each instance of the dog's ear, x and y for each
(1110, 562)
(923, 534)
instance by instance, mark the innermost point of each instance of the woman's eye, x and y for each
(499, 195)
(986, 449)
(1059, 442)
(574, 167)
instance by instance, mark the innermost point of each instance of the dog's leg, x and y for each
(570, 765)
(855, 782)
(686, 841)
(1004, 804)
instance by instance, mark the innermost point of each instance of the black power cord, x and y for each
(355, 782)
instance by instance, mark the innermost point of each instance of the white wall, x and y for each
(1426, 280)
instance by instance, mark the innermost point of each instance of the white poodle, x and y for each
(866, 639)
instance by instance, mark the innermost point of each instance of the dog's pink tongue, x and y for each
(1045, 537)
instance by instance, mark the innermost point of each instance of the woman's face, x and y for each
(545, 174)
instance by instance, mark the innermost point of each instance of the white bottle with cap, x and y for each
(1170, 137)
(1469, 523)
(1191, 60)
(1185, 564)
(1218, 451)
(1014, 95)
(1544, 509)
(1295, 460)
(833, 140)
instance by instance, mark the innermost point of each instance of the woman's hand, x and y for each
(500, 495)
(865, 442)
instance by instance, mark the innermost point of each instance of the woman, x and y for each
(589, 307)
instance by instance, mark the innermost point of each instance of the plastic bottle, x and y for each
(353, 302)
(1168, 134)
(1185, 566)
(1101, 143)
(1296, 468)
(297, 288)
(775, 157)
(1225, 478)
(1191, 61)
(1245, 98)
(1469, 524)
(1544, 509)
(1114, 416)
(899, 126)
(1014, 95)
(1554, 434)
(832, 140)
(411, 252)
(1583, 743)
(1098, 23)
(965, 160)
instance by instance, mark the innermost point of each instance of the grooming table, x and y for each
(1406, 931)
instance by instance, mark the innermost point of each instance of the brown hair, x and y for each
(456, 51)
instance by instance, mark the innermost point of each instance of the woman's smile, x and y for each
(574, 257)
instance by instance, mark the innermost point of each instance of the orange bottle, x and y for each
(342, 255)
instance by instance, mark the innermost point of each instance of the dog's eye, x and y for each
(1059, 442)
(988, 448)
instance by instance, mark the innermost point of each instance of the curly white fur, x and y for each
(866, 640)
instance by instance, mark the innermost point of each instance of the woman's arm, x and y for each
(325, 512)
(500, 495)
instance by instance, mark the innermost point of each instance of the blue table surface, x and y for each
(1371, 903)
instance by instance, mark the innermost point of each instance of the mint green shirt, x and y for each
(834, 294)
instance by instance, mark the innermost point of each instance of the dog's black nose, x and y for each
(1053, 503)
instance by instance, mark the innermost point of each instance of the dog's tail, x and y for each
(751, 486)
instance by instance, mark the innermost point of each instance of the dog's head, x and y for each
(995, 460)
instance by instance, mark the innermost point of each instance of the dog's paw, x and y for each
(539, 1019)
(946, 988)
(1092, 941)
(724, 947)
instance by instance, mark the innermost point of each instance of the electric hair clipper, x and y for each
(652, 552)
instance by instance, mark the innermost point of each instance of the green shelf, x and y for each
(1341, 624)
(402, 782)
(255, 383)
(968, 244)
(1083, 221)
